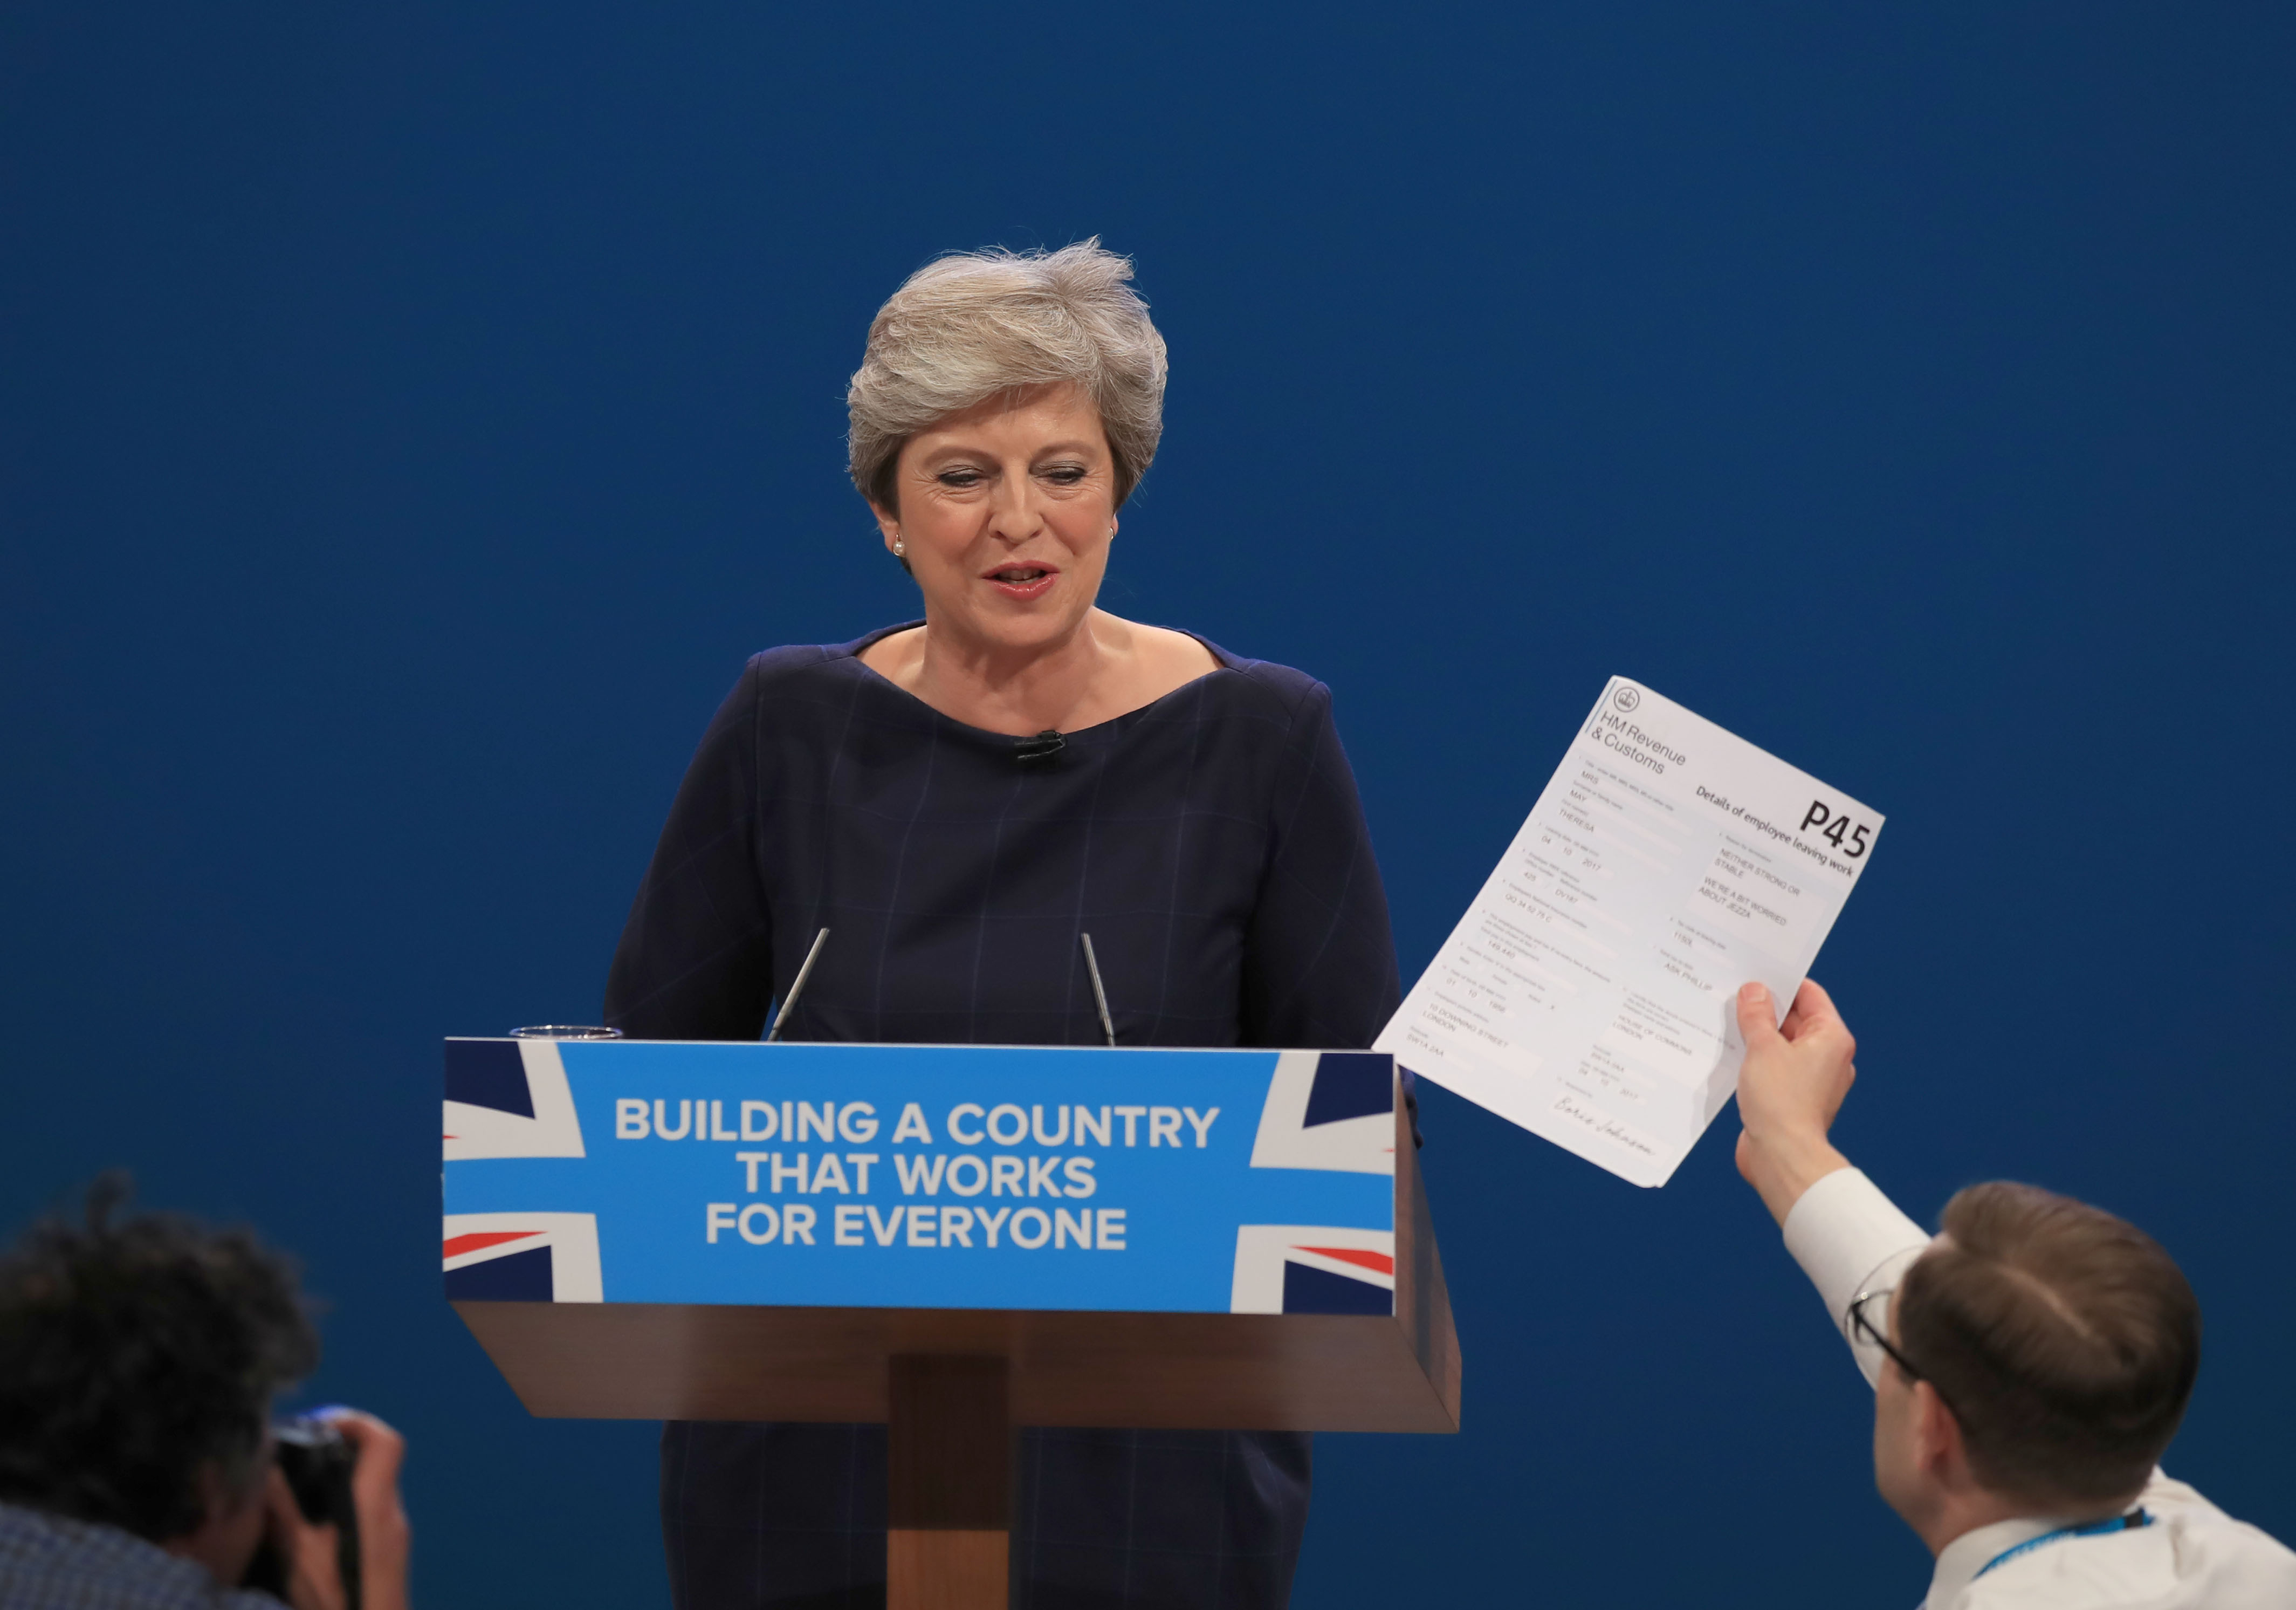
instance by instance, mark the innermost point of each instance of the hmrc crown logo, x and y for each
(1625, 698)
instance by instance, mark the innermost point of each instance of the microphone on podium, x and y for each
(797, 986)
(1092, 965)
(813, 955)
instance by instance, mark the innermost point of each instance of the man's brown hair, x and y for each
(2064, 1340)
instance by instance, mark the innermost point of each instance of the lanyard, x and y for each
(2119, 1522)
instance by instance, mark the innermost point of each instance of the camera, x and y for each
(317, 1460)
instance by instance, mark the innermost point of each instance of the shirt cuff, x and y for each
(1849, 1239)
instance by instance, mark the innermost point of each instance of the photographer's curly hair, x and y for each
(134, 1353)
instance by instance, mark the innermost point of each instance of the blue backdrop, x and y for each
(414, 413)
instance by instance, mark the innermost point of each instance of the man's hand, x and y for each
(1787, 1092)
(314, 1576)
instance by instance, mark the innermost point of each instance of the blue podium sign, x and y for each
(845, 1176)
(684, 1230)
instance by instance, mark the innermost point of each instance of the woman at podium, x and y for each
(958, 800)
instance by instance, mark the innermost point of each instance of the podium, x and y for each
(955, 1241)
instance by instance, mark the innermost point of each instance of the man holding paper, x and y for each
(1585, 994)
(2030, 1363)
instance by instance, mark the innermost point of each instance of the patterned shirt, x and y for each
(50, 1563)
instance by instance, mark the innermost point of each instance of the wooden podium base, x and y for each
(947, 1570)
(949, 1482)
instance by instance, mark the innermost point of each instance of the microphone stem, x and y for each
(797, 986)
(1092, 965)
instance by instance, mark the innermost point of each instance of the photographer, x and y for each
(2030, 1363)
(138, 1362)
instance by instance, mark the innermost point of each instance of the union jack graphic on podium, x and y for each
(1324, 1110)
(524, 1257)
(509, 1098)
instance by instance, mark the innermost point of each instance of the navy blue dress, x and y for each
(1212, 843)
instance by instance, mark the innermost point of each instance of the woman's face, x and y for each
(1005, 513)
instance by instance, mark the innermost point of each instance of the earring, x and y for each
(900, 548)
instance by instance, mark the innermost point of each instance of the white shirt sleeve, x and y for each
(1850, 1239)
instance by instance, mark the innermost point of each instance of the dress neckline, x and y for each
(853, 651)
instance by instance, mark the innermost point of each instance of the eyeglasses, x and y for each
(1874, 1326)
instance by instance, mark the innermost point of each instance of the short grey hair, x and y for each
(972, 324)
